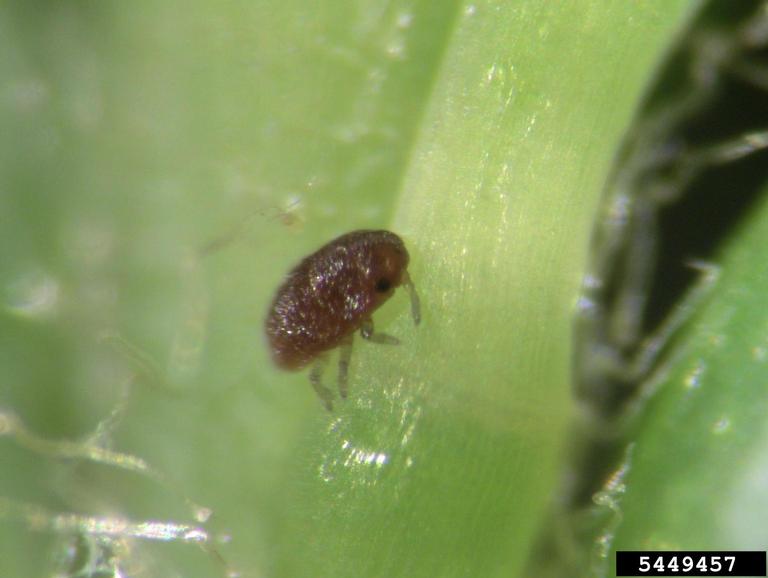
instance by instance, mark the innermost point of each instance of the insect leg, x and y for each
(315, 378)
(345, 353)
(367, 333)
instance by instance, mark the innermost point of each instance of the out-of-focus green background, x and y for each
(132, 136)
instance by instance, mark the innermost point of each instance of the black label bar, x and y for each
(744, 563)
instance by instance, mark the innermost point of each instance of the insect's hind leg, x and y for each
(345, 354)
(315, 378)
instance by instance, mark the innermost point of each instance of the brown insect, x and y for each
(330, 295)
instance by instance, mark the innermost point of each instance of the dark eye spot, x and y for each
(383, 285)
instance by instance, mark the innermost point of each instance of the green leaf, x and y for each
(696, 474)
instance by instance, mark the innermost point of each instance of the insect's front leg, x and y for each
(367, 332)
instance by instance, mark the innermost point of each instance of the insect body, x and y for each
(330, 295)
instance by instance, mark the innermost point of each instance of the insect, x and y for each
(331, 294)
